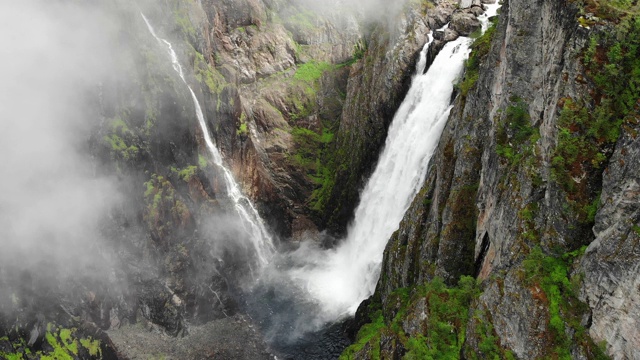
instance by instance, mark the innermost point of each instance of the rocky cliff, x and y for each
(538, 149)
(522, 242)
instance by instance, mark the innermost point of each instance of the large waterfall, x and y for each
(251, 220)
(305, 289)
(339, 279)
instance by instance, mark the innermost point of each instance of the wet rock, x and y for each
(161, 307)
(464, 23)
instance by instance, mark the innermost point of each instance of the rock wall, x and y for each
(498, 191)
(274, 77)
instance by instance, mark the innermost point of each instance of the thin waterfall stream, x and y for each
(251, 220)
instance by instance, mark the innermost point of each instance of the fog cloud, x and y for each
(52, 57)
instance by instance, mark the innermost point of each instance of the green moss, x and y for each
(119, 148)
(92, 346)
(202, 162)
(164, 210)
(185, 174)
(515, 137)
(488, 340)
(310, 155)
(612, 10)
(367, 333)
(208, 75)
(183, 24)
(66, 344)
(9, 356)
(589, 127)
(551, 274)
(479, 51)
(311, 71)
(242, 130)
(448, 311)
(118, 125)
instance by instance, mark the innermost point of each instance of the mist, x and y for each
(53, 55)
(370, 10)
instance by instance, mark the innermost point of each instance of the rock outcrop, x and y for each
(504, 201)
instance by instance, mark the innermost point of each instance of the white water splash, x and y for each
(251, 220)
(491, 11)
(339, 279)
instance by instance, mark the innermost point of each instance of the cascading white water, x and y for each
(251, 220)
(339, 279)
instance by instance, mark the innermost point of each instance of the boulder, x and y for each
(464, 23)
(475, 10)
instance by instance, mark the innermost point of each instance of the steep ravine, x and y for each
(522, 242)
(511, 197)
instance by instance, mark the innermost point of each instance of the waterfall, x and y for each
(251, 220)
(339, 279)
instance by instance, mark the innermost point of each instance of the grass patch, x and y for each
(311, 71)
(447, 315)
(551, 274)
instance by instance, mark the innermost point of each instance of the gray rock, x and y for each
(464, 23)
(465, 3)
(468, 180)
(611, 265)
(450, 35)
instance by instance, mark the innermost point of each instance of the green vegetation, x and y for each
(446, 319)
(242, 130)
(60, 344)
(120, 140)
(311, 71)
(242, 127)
(479, 51)
(359, 50)
(516, 138)
(208, 75)
(612, 10)
(164, 209)
(202, 162)
(368, 333)
(489, 342)
(183, 23)
(185, 174)
(120, 149)
(92, 346)
(311, 149)
(551, 275)
(588, 128)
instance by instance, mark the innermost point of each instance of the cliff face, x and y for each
(512, 192)
(274, 76)
(301, 95)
